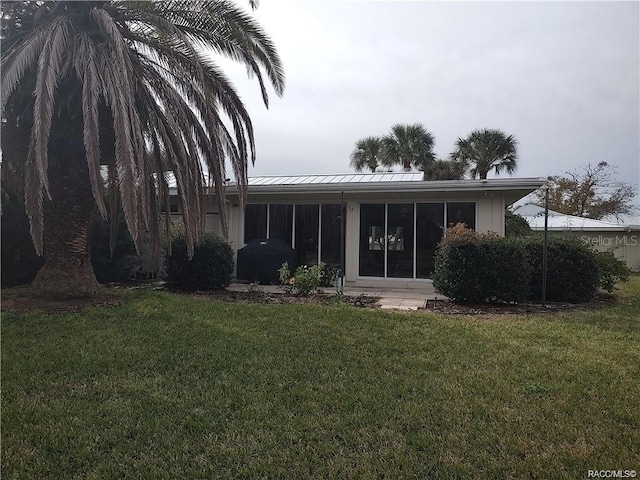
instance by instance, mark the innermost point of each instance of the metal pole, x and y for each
(544, 248)
(342, 212)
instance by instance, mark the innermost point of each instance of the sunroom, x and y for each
(383, 227)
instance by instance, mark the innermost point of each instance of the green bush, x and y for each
(481, 269)
(305, 280)
(612, 270)
(210, 268)
(572, 269)
(125, 261)
(515, 225)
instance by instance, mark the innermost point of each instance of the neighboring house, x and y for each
(393, 221)
(622, 240)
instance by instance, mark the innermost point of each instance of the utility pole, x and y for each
(544, 248)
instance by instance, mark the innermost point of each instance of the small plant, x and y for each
(305, 280)
(330, 275)
(612, 270)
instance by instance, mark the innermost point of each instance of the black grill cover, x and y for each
(261, 259)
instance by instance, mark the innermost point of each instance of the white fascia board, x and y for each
(393, 187)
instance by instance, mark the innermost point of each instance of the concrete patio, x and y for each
(390, 298)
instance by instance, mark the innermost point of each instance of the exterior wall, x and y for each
(490, 213)
(625, 245)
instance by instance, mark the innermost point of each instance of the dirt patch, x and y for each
(45, 305)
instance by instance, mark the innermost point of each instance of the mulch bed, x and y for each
(450, 308)
(284, 298)
(20, 299)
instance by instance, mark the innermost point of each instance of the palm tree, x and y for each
(444, 170)
(135, 87)
(486, 150)
(409, 146)
(367, 154)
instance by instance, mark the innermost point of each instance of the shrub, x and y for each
(305, 280)
(210, 268)
(612, 270)
(125, 261)
(515, 225)
(572, 269)
(471, 267)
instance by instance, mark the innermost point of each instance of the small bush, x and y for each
(305, 280)
(572, 269)
(612, 270)
(471, 267)
(210, 268)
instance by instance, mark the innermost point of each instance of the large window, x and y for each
(310, 229)
(281, 221)
(398, 240)
(330, 234)
(255, 222)
(461, 212)
(306, 238)
(372, 240)
(429, 230)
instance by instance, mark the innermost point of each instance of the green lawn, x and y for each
(169, 386)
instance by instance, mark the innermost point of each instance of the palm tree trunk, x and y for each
(67, 272)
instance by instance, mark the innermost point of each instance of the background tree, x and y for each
(367, 154)
(126, 85)
(486, 150)
(410, 146)
(444, 170)
(591, 192)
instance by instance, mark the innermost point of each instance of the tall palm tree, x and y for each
(408, 146)
(367, 154)
(486, 150)
(133, 86)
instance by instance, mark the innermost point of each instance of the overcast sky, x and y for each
(563, 78)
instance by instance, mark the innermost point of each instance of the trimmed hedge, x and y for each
(572, 269)
(482, 270)
(210, 268)
(470, 267)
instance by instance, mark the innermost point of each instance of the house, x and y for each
(622, 240)
(392, 221)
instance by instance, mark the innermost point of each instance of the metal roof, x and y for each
(335, 178)
(534, 215)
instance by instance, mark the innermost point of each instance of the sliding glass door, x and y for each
(398, 240)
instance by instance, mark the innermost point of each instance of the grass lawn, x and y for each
(170, 386)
